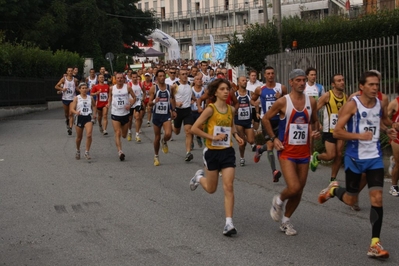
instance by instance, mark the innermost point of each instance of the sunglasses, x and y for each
(172, 72)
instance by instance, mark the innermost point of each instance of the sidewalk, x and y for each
(21, 110)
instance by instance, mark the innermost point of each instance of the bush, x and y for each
(27, 60)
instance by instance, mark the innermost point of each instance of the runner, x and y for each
(102, 91)
(252, 84)
(296, 112)
(164, 109)
(91, 80)
(243, 117)
(84, 109)
(219, 155)
(363, 117)
(198, 91)
(332, 100)
(67, 85)
(147, 84)
(137, 107)
(182, 92)
(268, 94)
(121, 103)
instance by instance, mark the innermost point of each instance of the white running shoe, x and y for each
(288, 229)
(194, 182)
(229, 230)
(394, 191)
(276, 211)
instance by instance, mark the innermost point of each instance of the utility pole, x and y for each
(265, 17)
(277, 20)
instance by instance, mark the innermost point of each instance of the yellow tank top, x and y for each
(331, 109)
(219, 123)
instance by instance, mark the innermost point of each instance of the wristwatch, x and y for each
(272, 139)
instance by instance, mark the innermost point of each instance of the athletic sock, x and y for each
(285, 219)
(270, 156)
(338, 191)
(229, 220)
(374, 241)
(376, 214)
(332, 179)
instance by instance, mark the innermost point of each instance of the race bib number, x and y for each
(103, 97)
(69, 91)
(372, 126)
(161, 108)
(298, 134)
(244, 113)
(269, 105)
(121, 103)
(85, 111)
(333, 120)
(222, 130)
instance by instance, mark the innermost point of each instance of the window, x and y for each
(162, 12)
(197, 7)
(154, 6)
(146, 8)
(179, 7)
(226, 4)
(139, 6)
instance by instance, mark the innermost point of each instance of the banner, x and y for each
(204, 52)
(167, 41)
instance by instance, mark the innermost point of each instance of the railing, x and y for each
(17, 91)
(224, 9)
(348, 59)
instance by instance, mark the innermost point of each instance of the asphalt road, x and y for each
(56, 210)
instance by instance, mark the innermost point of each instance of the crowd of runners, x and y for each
(213, 111)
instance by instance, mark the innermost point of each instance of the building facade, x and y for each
(188, 20)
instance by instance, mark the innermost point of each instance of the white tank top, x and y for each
(70, 87)
(139, 94)
(91, 82)
(183, 94)
(120, 99)
(84, 105)
(197, 95)
(206, 79)
(365, 119)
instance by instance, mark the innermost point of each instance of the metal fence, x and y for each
(15, 91)
(349, 59)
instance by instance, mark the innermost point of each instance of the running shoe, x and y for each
(325, 195)
(199, 142)
(194, 180)
(355, 207)
(101, 128)
(105, 133)
(377, 251)
(276, 211)
(148, 124)
(77, 155)
(129, 136)
(242, 162)
(258, 154)
(394, 191)
(189, 157)
(165, 148)
(229, 230)
(87, 155)
(69, 131)
(276, 175)
(121, 156)
(253, 147)
(288, 229)
(138, 138)
(156, 161)
(314, 162)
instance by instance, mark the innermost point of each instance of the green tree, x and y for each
(256, 43)
(90, 27)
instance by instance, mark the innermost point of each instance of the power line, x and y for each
(120, 16)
